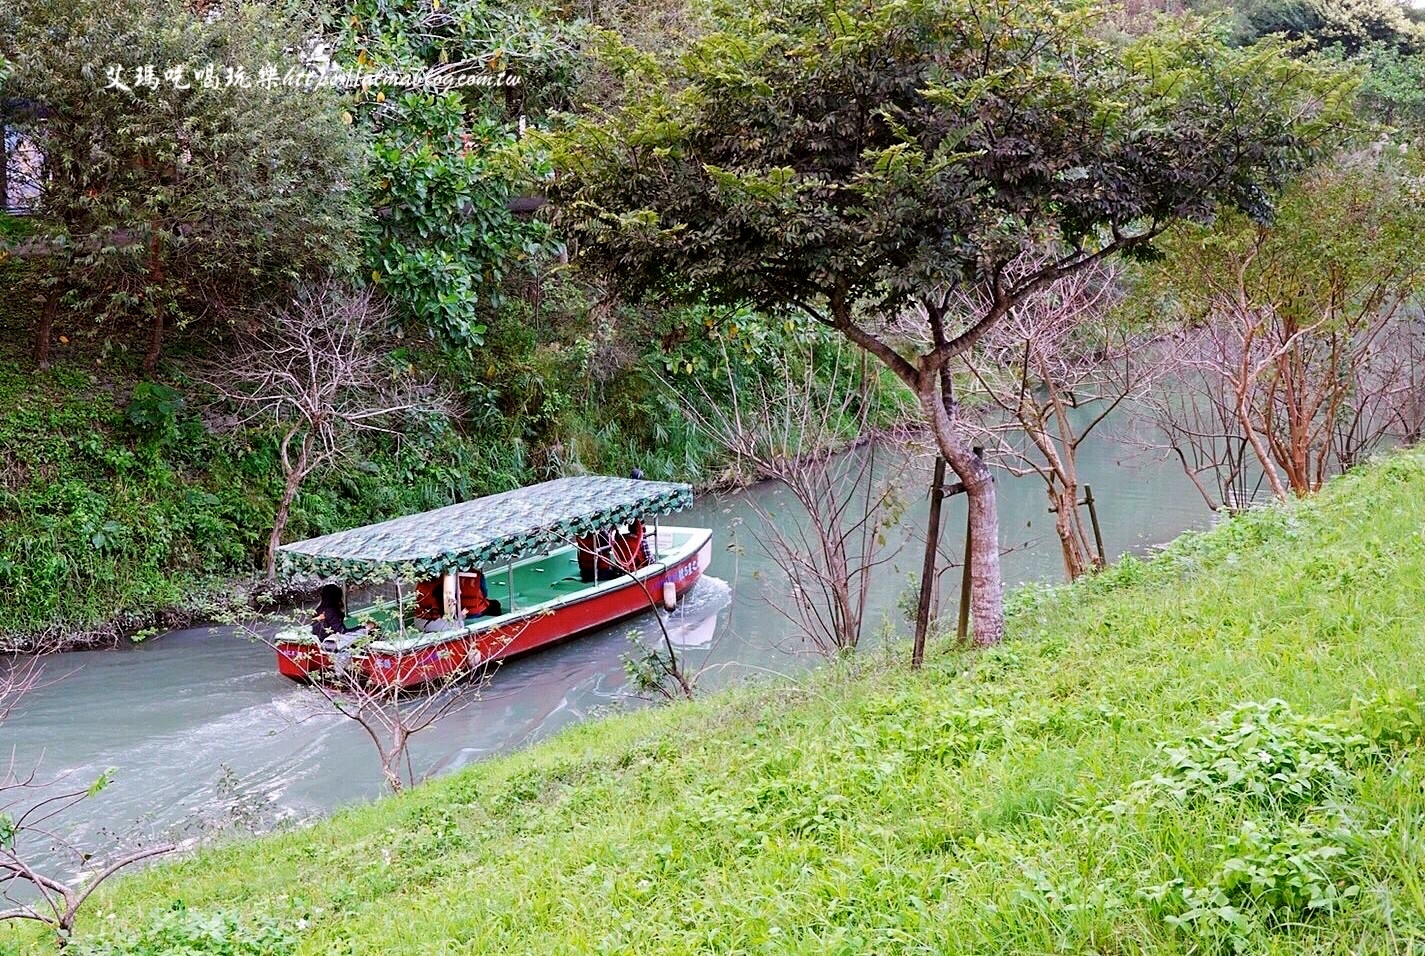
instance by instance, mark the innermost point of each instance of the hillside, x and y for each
(1216, 749)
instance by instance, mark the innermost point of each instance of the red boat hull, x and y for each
(466, 654)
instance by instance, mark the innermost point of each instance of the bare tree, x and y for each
(1050, 373)
(1285, 402)
(30, 811)
(792, 426)
(1194, 420)
(29, 808)
(389, 712)
(19, 674)
(1298, 332)
(316, 373)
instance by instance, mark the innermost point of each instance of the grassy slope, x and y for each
(962, 809)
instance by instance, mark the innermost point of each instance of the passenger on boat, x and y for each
(475, 600)
(593, 553)
(430, 606)
(330, 615)
(630, 548)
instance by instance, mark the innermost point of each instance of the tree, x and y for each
(1050, 373)
(316, 375)
(1298, 331)
(791, 427)
(442, 176)
(175, 197)
(1394, 87)
(1351, 26)
(855, 160)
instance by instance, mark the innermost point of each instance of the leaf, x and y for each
(102, 781)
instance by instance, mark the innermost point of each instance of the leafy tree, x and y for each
(860, 160)
(1350, 26)
(443, 179)
(1393, 89)
(446, 235)
(163, 204)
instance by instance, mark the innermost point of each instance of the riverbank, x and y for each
(1075, 789)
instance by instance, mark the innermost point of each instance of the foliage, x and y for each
(788, 160)
(109, 521)
(446, 236)
(964, 808)
(153, 411)
(180, 930)
(164, 205)
(1349, 26)
(444, 240)
(1394, 87)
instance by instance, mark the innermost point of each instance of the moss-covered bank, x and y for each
(1216, 749)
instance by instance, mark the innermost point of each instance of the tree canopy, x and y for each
(859, 161)
(867, 151)
(178, 184)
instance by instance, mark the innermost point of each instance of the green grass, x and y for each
(1073, 790)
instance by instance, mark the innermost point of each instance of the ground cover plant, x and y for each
(1214, 750)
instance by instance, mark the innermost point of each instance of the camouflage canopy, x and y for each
(490, 530)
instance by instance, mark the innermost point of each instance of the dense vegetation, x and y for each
(1216, 749)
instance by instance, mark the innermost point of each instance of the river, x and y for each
(203, 735)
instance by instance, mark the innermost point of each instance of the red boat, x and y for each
(458, 588)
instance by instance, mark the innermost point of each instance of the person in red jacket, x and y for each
(630, 549)
(475, 600)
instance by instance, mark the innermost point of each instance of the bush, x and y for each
(187, 932)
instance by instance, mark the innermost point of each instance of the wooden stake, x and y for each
(927, 570)
(962, 626)
(1093, 518)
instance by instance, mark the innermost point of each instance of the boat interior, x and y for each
(523, 587)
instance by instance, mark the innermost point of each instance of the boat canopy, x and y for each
(485, 531)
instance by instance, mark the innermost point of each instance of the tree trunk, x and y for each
(987, 598)
(4, 170)
(1065, 504)
(295, 472)
(279, 522)
(391, 771)
(391, 759)
(46, 327)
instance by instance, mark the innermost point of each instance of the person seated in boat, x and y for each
(330, 615)
(475, 600)
(429, 610)
(630, 548)
(593, 552)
